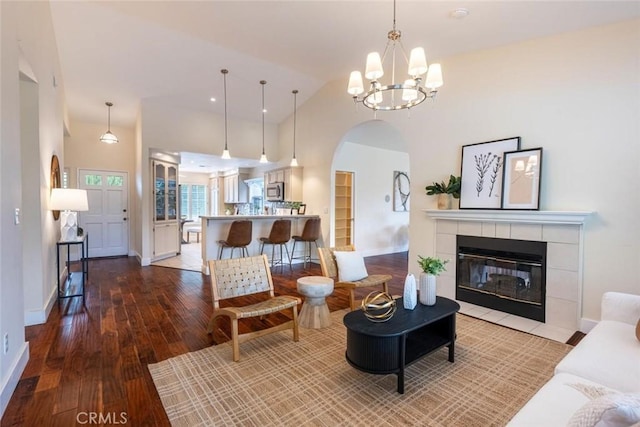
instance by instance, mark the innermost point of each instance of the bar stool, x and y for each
(280, 234)
(310, 233)
(239, 237)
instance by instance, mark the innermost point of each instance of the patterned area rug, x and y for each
(280, 382)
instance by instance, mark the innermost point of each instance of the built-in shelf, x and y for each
(528, 217)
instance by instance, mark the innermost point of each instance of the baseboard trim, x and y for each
(15, 372)
(38, 317)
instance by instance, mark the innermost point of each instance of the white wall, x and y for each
(25, 26)
(377, 228)
(577, 95)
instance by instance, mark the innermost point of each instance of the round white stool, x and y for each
(315, 313)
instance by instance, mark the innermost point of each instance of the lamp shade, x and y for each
(417, 62)
(69, 199)
(373, 70)
(434, 76)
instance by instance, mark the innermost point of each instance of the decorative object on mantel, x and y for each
(445, 192)
(263, 156)
(521, 179)
(395, 95)
(410, 294)
(378, 306)
(225, 153)
(481, 176)
(294, 161)
(108, 137)
(401, 191)
(431, 267)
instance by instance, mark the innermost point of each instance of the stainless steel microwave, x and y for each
(275, 192)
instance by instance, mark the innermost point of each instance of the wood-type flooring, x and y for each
(87, 365)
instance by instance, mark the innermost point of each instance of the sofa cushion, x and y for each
(608, 355)
(556, 402)
(611, 410)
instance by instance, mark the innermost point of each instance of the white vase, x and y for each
(410, 296)
(427, 289)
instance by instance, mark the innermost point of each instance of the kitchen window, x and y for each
(193, 201)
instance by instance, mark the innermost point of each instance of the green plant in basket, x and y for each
(432, 265)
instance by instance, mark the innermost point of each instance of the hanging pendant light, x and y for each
(225, 152)
(108, 137)
(263, 157)
(294, 161)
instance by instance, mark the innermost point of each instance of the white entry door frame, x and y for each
(107, 220)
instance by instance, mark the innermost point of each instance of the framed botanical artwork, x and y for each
(521, 179)
(401, 191)
(481, 176)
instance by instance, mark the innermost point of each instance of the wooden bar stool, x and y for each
(239, 237)
(310, 233)
(280, 235)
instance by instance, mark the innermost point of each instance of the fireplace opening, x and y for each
(502, 274)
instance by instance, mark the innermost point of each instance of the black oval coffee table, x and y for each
(389, 347)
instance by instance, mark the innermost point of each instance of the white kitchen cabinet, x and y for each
(292, 178)
(235, 189)
(166, 237)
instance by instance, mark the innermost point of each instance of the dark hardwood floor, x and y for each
(92, 362)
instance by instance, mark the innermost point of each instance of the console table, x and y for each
(74, 285)
(389, 347)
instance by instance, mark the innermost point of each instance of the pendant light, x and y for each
(263, 157)
(225, 152)
(108, 137)
(294, 161)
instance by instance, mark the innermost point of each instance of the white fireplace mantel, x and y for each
(526, 217)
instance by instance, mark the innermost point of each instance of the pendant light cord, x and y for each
(224, 76)
(263, 82)
(295, 94)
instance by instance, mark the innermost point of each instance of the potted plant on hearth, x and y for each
(445, 192)
(431, 267)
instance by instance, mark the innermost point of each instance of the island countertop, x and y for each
(216, 228)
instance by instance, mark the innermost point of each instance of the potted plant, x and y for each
(431, 267)
(295, 208)
(445, 192)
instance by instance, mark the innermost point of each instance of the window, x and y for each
(93, 180)
(193, 201)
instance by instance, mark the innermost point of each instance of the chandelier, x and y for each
(263, 157)
(395, 96)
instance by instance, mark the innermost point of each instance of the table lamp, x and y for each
(69, 201)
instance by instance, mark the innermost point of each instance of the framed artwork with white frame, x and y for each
(521, 179)
(481, 175)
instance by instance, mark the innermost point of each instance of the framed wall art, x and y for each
(481, 176)
(401, 191)
(521, 179)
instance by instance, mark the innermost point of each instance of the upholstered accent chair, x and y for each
(231, 278)
(329, 268)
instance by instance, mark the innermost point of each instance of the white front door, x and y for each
(107, 220)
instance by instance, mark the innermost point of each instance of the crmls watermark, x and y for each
(110, 418)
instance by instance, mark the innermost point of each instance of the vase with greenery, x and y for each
(431, 267)
(295, 208)
(445, 192)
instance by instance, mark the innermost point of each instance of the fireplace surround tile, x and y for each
(562, 230)
(526, 232)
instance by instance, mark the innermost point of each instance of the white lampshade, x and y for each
(374, 70)
(417, 62)
(69, 201)
(225, 154)
(434, 76)
(294, 163)
(409, 94)
(355, 87)
(263, 158)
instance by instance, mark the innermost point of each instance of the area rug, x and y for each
(278, 382)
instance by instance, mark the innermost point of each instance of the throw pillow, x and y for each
(611, 410)
(638, 330)
(350, 266)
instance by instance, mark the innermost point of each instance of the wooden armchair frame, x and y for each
(237, 277)
(330, 269)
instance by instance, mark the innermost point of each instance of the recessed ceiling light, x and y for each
(459, 13)
(212, 99)
(264, 110)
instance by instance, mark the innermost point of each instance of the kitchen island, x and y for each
(216, 228)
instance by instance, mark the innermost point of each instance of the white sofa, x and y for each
(607, 360)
